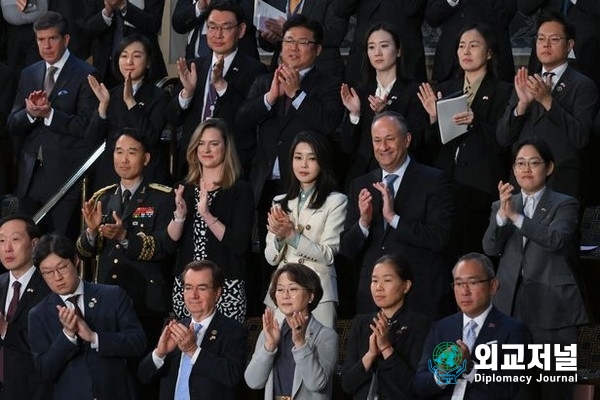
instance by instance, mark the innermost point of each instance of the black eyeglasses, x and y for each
(474, 284)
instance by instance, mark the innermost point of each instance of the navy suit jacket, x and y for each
(565, 127)
(543, 266)
(425, 205)
(218, 368)
(77, 370)
(498, 328)
(240, 75)
(21, 381)
(321, 111)
(63, 145)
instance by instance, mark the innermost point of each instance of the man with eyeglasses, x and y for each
(21, 288)
(82, 334)
(216, 84)
(478, 322)
(202, 357)
(557, 104)
(535, 235)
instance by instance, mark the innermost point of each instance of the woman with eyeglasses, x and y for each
(534, 232)
(294, 358)
(474, 161)
(135, 103)
(304, 225)
(384, 348)
(383, 89)
(214, 215)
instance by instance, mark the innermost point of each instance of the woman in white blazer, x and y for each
(304, 225)
(295, 358)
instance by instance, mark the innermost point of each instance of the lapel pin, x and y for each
(402, 329)
(543, 209)
(485, 98)
(491, 325)
(236, 69)
(213, 334)
(92, 302)
(29, 290)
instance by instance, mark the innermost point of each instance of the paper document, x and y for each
(263, 10)
(446, 108)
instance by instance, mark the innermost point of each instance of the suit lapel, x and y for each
(489, 328)
(63, 78)
(4, 280)
(90, 301)
(29, 292)
(482, 99)
(408, 182)
(543, 206)
(312, 330)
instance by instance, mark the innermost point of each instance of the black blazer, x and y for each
(77, 370)
(63, 144)
(495, 13)
(425, 205)
(240, 75)
(405, 15)
(184, 21)
(147, 21)
(498, 327)
(321, 111)
(394, 375)
(21, 380)
(481, 161)
(235, 209)
(334, 29)
(355, 140)
(566, 127)
(147, 117)
(218, 368)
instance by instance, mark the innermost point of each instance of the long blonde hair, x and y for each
(231, 163)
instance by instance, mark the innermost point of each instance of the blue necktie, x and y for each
(565, 6)
(469, 335)
(182, 391)
(389, 184)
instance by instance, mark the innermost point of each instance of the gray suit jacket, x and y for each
(315, 364)
(552, 297)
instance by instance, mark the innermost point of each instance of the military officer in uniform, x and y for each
(125, 227)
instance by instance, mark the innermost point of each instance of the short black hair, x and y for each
(303, 276)
(226, 5)
(484, 261)
(54, 243)
(540, 145)
(31, 228)
(126, 41)
(51, 19)
(300, 21)
(552, 16)
(218, 279)
(135, 135)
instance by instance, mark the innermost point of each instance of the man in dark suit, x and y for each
(202, 357)
(414, 219)
(406, 16)
(126, 226)
(51, 110)
(477, 323)
(108, 22)
(453, 15)
(557, 104)
(21, 288)
(189, 18)
(535, 234)
(82, 333)
(216, 84)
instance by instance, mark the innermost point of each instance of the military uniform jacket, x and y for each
(137, 267)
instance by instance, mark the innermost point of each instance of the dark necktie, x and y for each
(14, 302)
(551, 75)
(125, 201)
(49, 81)
(294, 7)
(118, 34)
(389, 184)
(73, 300)
(210, 101)
(565, 6)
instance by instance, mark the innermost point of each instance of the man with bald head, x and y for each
(402, 207)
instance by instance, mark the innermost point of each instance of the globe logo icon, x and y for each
(447, 357)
